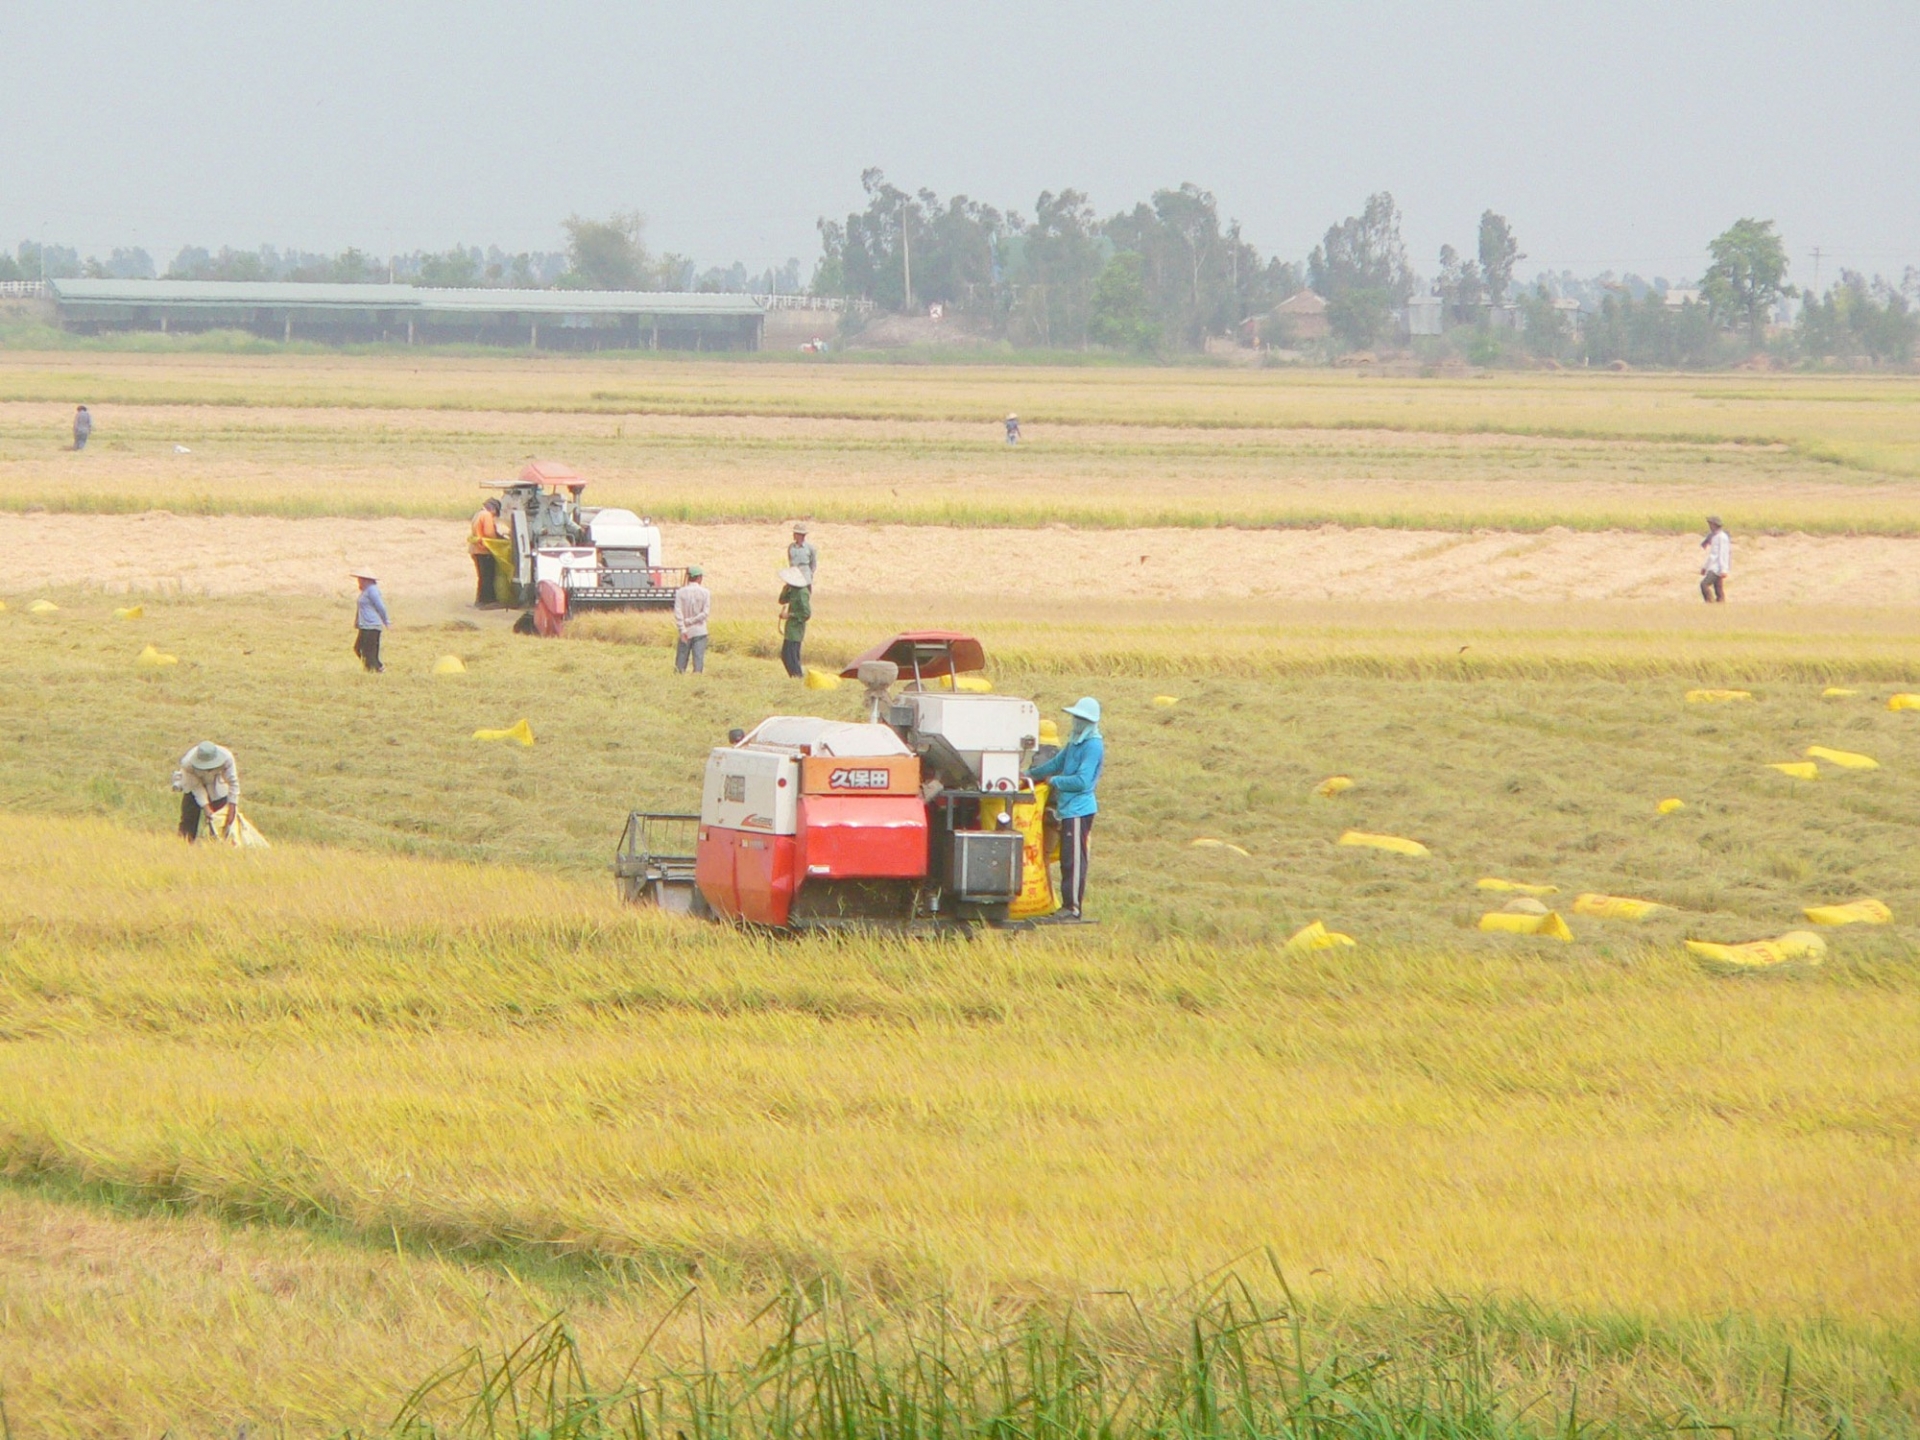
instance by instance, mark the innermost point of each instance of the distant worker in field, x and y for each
(796, 609)
(209, 784)
(1013, 428)
(801, 554)
(1075, 776)
(82, 427)
(486, 526)
(692, 604)
(369, 619)
(1713, 574)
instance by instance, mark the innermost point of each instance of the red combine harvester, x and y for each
(903, 820)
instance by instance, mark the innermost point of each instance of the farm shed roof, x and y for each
(414, 298)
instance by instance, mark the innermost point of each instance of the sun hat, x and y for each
(1049, 733)
(205, 754)
(799, 527)
(364, 575)
(1085, 708)
(1012, 416)
(794, 575)
(1713, 523)
(694, 572)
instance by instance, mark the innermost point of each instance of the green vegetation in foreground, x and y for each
(1524, 758)
(1242, 1368)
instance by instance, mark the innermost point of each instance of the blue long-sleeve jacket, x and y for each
(370, 610)
(1075, 772)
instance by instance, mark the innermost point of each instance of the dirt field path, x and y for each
(234, 556)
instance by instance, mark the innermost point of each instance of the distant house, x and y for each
(1425, 315)
(1677, 298)
(1306, 313)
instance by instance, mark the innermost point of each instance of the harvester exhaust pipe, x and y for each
(878, 676)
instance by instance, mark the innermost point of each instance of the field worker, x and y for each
(369, 619)
(82, 427)
(692, 604)
(486, 526)
(1713, 574)
(801, 554)
(209, 784)
(1013, 428)
(1075, 773)
(796, 609)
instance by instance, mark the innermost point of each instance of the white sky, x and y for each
(1616, 135)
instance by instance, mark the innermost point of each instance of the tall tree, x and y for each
(1748, 276)
(1361, 268)
(1499, 253)
(607, 254)
(1061, 255)
(1461, 285)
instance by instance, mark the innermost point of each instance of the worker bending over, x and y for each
(1713, 574)
(209, 784)
(692, 604)
(369, 619)
(1075, 773)
(796, 609)
(486, 526)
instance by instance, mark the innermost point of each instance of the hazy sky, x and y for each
(1619, 135)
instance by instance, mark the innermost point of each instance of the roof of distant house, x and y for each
(1302, 302)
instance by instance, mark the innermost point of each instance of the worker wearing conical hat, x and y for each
(1075, 773)
(800, 554)
(209, 784)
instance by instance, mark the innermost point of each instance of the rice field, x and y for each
(284, 1133)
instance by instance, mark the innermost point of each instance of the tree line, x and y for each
(1170, 274)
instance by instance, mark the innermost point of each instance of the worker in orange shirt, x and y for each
(486, 526)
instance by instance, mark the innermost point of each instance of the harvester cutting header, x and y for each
(554, 556)
(916, 817)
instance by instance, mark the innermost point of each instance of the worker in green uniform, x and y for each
(796, 609)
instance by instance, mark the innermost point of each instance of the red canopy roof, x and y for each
(550, 472)
(940, 652)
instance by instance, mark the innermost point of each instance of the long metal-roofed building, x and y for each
(415, 315)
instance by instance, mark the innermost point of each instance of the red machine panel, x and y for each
(871, 837)
(746, 876)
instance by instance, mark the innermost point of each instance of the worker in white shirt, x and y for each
(692, 607)
(209, 784)
(1713, 574)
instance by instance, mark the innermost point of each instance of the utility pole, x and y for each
(1816, 269)
(906, 256)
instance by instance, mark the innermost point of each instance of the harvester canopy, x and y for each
(552, 473)
(809, 735)
(925, 655)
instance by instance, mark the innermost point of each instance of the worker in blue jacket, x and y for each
(1075, 773)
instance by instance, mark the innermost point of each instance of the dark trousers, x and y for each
(190, 813)
(1713, 589)
(367, 646)
(1076, 836)
(790, 657)
(80, 439)
(694, 650)
(484, 568)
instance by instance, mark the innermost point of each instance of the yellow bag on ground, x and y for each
(1549, 924)
(42, 607)
(1716, 697)
(1671, 804)
(520, 732)
(1794, 945)
(152, 659)
(1397, 844)
(238, 830)
(1797, 769)
(1614, 907)
(1166, 702)
(1332, 786)
(449, 665)
(1317, 937)
(821, 680)
(1514, 887)
(1854, 912)
(1036, 897)
(1903, 702)
(131, 612)
(1835, 692)
(1845, 759)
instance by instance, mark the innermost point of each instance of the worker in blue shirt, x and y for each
(369, 619)
(1075, 773)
